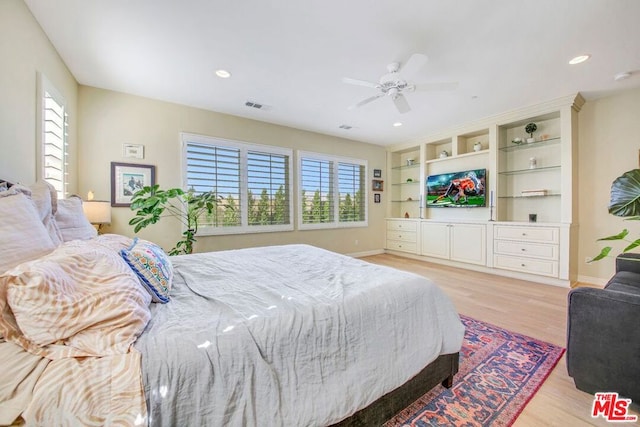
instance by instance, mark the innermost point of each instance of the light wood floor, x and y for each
(529, 308)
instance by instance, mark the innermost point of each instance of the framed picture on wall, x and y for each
(376, 198)
(377, 173)
(127, 178)
(377, 185)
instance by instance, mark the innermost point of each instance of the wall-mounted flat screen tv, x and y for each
(459, 189)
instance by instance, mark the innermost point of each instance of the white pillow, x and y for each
(45, 198)
(24, 237)
(71, 220)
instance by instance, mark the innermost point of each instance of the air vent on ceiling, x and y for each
(346, 127)
(257, 105)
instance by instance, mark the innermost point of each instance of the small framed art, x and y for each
(377, 173)
(376, 198)
(377, 185)
(127, 178)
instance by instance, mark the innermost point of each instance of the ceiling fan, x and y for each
(394, 84)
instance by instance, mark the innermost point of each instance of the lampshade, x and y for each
(97, 211)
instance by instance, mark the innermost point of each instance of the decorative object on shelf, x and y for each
(533, 217)
(127, 178)
(624, 202)
(409, 199)
(377, 173)
(151, 203)
(477, 146)
(544, 137)
(533, 163)
(409, 179)
(377, 185)
(406, 214)
(517, 141)
(444, 154)
(376, 198)
(411, 162)
(530, 128)
(533, 193)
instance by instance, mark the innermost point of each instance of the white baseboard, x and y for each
(366, 253)
(592, 280)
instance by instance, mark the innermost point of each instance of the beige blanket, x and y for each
(76, 312)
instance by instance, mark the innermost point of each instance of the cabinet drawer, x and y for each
(524, 249)
(402, 225)
(405, 236)
(398, 245)
(527, 234)
(527, 265)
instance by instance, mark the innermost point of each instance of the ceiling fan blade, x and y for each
(365, 101)
(401, 103)
(413, 65)
(359, 82)
(436, 86)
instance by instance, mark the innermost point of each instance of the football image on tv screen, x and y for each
(458, 189)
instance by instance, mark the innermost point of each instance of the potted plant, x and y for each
(625, 202)
(152, 203)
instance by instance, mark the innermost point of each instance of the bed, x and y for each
(281, 335)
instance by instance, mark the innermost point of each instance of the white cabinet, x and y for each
(402, 235)
(454, 241)
(527, 249)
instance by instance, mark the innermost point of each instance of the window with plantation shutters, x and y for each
(332, 191)
(54, 138)
(251, 183)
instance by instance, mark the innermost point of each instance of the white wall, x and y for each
(24, 51)
(609, 135)
(108, 119)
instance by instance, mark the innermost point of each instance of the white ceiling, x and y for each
(292, 55)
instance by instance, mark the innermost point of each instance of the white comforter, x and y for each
(287, 336)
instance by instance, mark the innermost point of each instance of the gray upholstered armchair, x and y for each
(603, 333)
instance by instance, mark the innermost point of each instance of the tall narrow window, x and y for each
(332, 191)
(54, 138)
(251, 182)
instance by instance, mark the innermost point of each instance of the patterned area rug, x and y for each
(500, 371)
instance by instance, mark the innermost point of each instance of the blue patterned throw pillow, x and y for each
(153, 267)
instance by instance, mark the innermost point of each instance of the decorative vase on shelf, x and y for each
(477, 146)
(530, 128)
(444, 154)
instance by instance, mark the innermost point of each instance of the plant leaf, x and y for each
(633, 245)
(603, 253)
(618, 236)
(625, 194)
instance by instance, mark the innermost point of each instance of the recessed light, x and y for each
(397, 124)
(223, 74)
(622, 76)
(579, 59)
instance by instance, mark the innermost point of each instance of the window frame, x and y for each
(45, 86)
(335, 185)
(244, 148)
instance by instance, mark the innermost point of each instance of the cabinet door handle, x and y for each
(522, 265)
(524, 234)
(522, 249)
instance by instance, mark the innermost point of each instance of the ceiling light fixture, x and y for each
(622, 76)
(397, 124)
(223, 74)
(579, 59)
